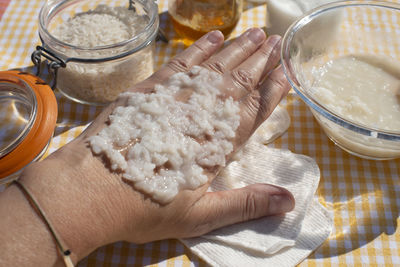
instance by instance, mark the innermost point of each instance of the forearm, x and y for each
(25, 241)
(65, 193)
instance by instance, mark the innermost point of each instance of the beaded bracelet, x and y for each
(66, 253)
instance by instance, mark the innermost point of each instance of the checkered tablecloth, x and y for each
(363, 195)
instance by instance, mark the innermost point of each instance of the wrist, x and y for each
(69, 192)
(24, 239)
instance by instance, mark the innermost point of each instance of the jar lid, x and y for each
(28, 115)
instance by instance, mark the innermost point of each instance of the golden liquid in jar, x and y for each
(192, 19)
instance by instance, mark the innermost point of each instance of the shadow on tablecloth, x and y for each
(169, 252)
(362, 194)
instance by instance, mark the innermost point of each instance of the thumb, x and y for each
(218, 209)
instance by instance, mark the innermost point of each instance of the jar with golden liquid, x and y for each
(192, 19)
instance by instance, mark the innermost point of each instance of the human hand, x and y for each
(103, 208)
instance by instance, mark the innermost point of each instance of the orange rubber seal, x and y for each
(42, 129)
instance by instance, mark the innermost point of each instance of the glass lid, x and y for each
(28, 115)
(17, 112)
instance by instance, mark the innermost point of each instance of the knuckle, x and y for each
(243, 44)
(216, 66)
(279, 84)
(178, 65)
(203, 51)
(266, 109)
(271, 52)
(268, 103)
(250, 207)
(244, 79)
(276, 88)
(252, 105)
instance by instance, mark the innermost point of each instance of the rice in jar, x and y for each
(107, 46)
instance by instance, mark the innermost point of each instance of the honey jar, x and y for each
(192, 19)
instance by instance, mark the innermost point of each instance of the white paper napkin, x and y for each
(285, 240)
(316, 227)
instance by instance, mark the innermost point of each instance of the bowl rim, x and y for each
(288, 68)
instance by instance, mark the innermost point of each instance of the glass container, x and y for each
(281, 14)
(93, 73)
(334, 31)
(28, 111)
(192, 19)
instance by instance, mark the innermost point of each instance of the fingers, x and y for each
(249, 73)
(223, 208)
(258, 105)
(195, 54)
(270, 94)
(236, 52)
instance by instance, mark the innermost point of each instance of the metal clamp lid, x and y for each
(54, 62)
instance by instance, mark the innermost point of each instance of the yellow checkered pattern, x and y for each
(363, 195)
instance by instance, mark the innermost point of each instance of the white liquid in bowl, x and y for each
(365, 90)
(362, 89)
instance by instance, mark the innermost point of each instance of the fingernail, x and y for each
(280, 203)
(215, 37)
(256, 35)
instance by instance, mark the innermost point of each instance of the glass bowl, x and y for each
(334, 31)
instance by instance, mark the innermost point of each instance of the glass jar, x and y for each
(96, 73)
(28, 111)
(281, 14)
(192, 19)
